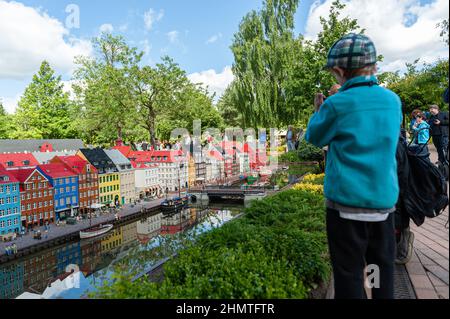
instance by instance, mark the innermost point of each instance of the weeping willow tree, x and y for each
(264, 48)
(277, 73)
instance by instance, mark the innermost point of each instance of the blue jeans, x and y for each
(290, 145)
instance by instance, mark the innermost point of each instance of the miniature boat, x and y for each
(174, 204)
(95, 231)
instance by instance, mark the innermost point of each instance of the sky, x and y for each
(197, 34)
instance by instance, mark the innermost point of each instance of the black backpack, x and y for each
(423, 189)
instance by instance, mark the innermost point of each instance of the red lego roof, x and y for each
(152, 156)
(18, 160)
(76, 163)
(23, 174)
(46, 147)
(11, 177)
(142, 165)
(215, 154)
(125, 150)
(57, 170)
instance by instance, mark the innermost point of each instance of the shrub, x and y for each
(309, 187)
(309, 152)
(277, 249)
(289, 157)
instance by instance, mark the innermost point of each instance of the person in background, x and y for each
(361, 126)
(290, 139)
(438, 122)
(421, 131)
(413, 118)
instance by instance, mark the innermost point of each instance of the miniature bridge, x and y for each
(228, 192)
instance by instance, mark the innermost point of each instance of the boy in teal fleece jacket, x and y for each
(361, 126)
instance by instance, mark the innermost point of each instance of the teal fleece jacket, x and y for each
(421, 132)
(361, 126)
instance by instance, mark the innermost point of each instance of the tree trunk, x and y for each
(119, 133)
(152, 134)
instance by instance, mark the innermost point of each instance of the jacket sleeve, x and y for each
(322, 126)
(444, 121)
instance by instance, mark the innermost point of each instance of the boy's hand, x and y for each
(318, 101)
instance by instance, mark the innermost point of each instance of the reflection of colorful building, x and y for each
(108, 175)
(127, 178)
(65, 188)
(11, 280)
(193, 215)
(112, 241)
(9, 202)
(69, 254)
(36, 198)
(90, 256)
(175, 223)
(129, 234)
(39, 270)
(148, 228)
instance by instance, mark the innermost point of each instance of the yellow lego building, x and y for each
(108, 175)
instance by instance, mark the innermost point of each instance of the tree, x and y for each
(421, 86)
(194, 103)
(43, 110)
(105, 100)
(444, 31)
(7, 128)
(276, 73)
(264, 51)
(159, 91)
(228, 110)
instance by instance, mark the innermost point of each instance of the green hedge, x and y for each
(278, 249)
(306, 152)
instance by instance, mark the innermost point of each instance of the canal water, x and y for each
(72, 270)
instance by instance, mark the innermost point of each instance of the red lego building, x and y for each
(87, 180)
(36, 198)
(14, 161)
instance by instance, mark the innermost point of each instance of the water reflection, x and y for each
(69, 270)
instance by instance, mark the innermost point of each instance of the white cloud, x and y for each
(29, 36)
(151, 16)
(146, 46)
(107, 28)
(213, 81)
(123, 27)
(173, 36)
(67, 87)
(10, 103)
(402, 30)
(214, 38)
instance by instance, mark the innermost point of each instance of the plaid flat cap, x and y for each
(352, 51)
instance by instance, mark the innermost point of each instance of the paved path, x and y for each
(428, 269)
(60, 231)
